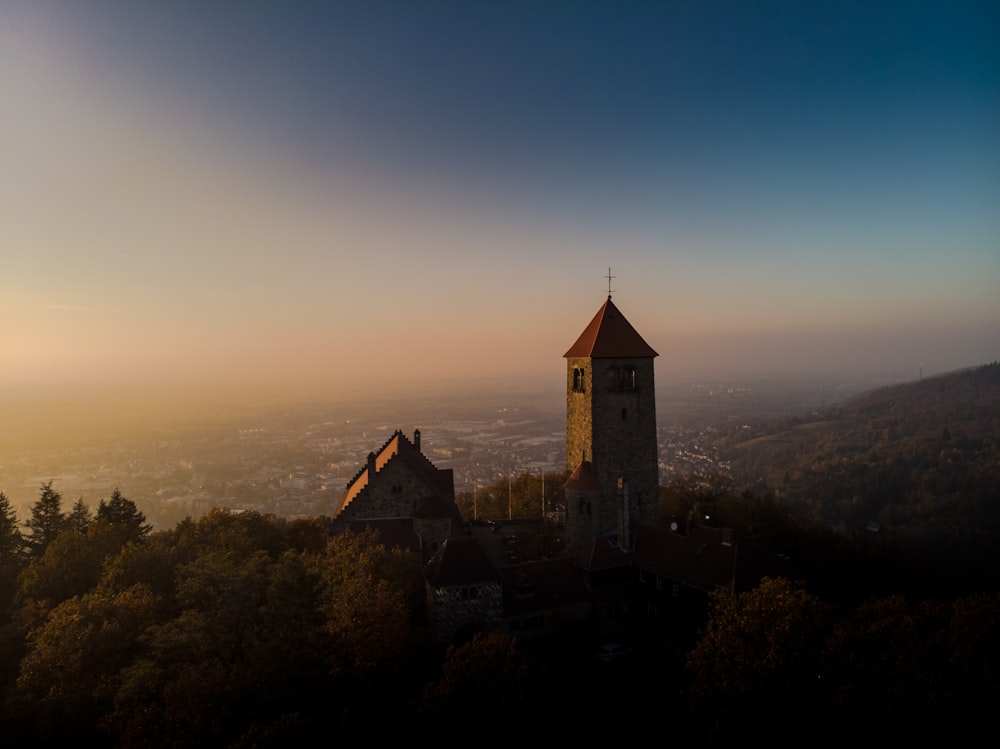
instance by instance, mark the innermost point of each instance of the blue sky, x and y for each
(343, 192)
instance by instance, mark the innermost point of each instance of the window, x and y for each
(531, 622)
(621, 378)
(579, 380)
(469, 594)
(612, 609)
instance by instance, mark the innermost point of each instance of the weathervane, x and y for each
(609, 281)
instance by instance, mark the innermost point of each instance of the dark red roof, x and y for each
(460, 561)
(602, 553)
(610, 336)
(703, 558)
(583, 478)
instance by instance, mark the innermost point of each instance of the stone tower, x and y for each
(611, 443)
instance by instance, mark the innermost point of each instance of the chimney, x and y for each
(371, 465)
(416, 439)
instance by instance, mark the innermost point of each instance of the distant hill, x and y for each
(913, 460)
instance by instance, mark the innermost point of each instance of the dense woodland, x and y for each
(909, 474)
(921, 458)
(250, 630)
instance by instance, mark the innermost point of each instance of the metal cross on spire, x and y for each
(609, 281)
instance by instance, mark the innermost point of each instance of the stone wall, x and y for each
(456, 606)
(611, 421)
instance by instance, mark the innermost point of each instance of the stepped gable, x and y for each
(610, 336)
(460, 561)
(399, 447)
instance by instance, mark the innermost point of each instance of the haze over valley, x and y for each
(177, 453)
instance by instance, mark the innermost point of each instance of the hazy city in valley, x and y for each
(291, 452)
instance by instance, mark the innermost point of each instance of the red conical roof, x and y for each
(583, 478)
(610, 336)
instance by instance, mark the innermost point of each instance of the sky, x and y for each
(354, 195)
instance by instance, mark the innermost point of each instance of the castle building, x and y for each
(611, 444)
(399, 486)
(618, 563)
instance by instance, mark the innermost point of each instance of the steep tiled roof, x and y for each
(583, 478)
(602, 553)
(610, 336)
(704, 558)
(460, 561)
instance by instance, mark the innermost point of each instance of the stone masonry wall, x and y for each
(395, 491)
(616, 429)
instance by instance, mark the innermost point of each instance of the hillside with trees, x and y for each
(912, 467)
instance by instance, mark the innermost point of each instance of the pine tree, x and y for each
(11, 553)
(122, 512)
(11, 540)
(79, 517)
(47, 520)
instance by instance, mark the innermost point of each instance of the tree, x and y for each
(79, 517)
(47, 520)
(760, 652)
(193, 684)
(307, 535)
(11, 551)
(487, 679)
(70, 566)
(122, 512)
(243, 533)
(11, 541)
(370, 599)
(70, 675)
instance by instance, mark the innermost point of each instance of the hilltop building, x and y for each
(611, 448)
(619, 568)
(400, 493)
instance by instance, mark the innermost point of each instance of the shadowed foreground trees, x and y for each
(777, 661)
(209, 634)
(247, 630)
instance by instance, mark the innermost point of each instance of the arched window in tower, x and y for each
(579, 380)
